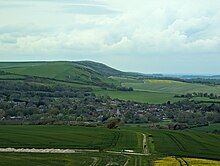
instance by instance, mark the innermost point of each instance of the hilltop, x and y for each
(83, 72)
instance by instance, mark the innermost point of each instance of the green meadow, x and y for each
(140, 96)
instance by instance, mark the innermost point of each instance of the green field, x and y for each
(165, 142)
(11, 76)
(162, 143)
(67, 137)
(209, 128)
(174, 87)
(78, 159)
(140, 96)
(180, 143)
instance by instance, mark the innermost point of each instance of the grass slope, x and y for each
(101, 68)
(65, 71)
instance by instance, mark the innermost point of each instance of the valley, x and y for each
(104, 116)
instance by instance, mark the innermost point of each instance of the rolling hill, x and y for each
(61, 71)
(98, 75)
(101, 68)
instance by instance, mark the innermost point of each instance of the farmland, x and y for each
(91, 75)
(185, 161)
(160, 91)
(140, 96)
(178, 143)
(67, 137)
(209, 128)
(174, 87)
(78, 159)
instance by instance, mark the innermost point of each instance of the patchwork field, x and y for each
(160, 143)
(140, 96)
(174, 87)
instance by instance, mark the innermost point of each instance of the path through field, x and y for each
(138, 159)
(145, 147)
(24, 150)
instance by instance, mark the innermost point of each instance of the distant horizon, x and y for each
(141, 72)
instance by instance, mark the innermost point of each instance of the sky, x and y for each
(148, 36)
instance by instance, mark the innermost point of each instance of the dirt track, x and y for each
(22, 150)
(145, 148)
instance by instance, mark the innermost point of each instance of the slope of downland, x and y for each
(61, 71)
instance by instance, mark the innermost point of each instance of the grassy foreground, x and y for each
(161, 143)
(68, 137)
(78, 159)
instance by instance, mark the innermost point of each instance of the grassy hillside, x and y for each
(101, 68)
(62, 71)
(92, 74)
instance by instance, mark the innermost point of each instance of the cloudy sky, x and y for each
(149, 36)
